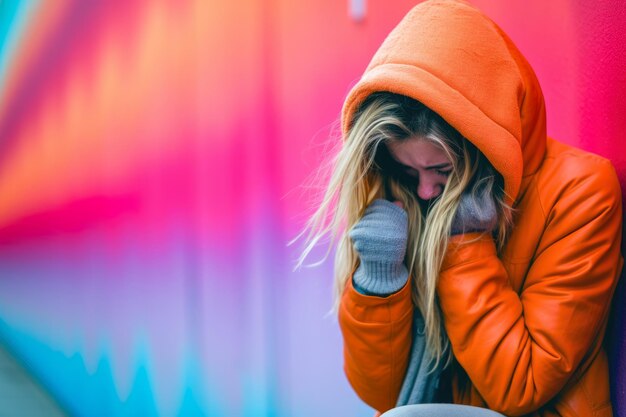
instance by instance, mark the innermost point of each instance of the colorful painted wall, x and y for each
(154, 157)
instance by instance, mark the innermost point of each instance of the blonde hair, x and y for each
(363, 172)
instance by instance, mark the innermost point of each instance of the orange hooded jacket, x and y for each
(526, 325)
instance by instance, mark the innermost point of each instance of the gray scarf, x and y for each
(419, 386)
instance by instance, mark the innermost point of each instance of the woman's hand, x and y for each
(380, 239)
(476, 212)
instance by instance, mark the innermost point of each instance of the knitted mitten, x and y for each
(476, 212)
(380, 238)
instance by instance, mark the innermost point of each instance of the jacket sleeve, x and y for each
(519, 350)
(377, 339)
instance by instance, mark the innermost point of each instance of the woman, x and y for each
(474, 251)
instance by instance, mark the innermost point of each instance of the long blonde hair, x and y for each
(362, 172)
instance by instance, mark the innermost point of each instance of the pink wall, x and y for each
(152, 157)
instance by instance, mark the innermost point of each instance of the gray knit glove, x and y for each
(476, 213)
(380, 238)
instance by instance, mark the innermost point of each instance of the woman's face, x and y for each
(424, 161)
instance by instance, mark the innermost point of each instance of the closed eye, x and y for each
(410, 172)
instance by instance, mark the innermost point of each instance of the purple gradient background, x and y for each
(152, 162)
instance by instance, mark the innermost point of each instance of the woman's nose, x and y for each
(428, 189)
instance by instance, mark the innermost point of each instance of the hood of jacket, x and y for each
(450, 56)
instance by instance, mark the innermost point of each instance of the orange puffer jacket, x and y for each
(526, 325)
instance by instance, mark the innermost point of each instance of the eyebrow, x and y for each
(430, 167)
